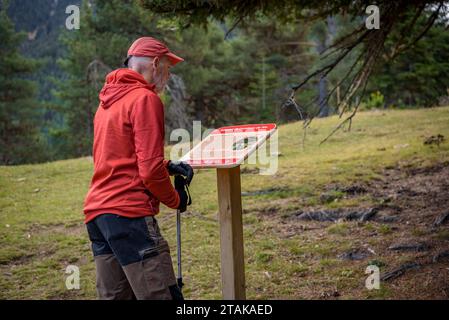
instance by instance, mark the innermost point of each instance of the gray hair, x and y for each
(135, 62)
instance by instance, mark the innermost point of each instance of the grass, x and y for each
(339, 228)
(41, 229)
(385, 229)
(443, 235)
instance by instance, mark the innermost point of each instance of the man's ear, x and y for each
(156, 62)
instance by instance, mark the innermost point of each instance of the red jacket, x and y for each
(128, 150)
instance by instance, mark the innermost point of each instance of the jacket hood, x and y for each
(119, 83)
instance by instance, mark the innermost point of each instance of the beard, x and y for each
(160, 81)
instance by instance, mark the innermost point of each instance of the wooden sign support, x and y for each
(231, 233)
(212, 153)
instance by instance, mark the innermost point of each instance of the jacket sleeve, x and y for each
(147, 120)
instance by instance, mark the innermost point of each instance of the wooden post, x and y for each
(231, 233)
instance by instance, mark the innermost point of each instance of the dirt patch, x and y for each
(73, 229)
(336, 215)
(406, 234)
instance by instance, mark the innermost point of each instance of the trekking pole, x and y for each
(180, 184)
(178, 236)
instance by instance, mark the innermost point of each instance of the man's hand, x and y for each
(183, 191)
(180, 168)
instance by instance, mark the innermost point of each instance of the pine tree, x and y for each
(217, 73)
(107, 28)
(418, 77)
(280, 53)
(20, 140)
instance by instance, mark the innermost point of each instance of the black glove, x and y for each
(181, 187)
(181, 168)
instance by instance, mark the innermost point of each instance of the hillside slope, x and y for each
(381, 168)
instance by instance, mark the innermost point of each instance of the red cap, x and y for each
(150, 47)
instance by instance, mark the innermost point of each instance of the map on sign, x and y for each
(228, 147)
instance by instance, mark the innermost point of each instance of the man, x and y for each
(131, 178)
